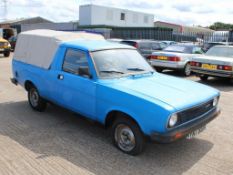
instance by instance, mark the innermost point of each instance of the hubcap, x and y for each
(124, 137)
(187, 69)
(34, 97)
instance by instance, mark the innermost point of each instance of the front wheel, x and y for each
(35, 101)
(127, 136)
(7, 54)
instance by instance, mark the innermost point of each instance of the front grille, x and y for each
(195, 112)
(2, 44)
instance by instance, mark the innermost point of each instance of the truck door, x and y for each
(76, 91)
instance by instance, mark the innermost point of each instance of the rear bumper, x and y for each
(167, 64)
(183, 131)
(214, 73)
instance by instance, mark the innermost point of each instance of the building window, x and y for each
(122, 16)
(146, 20)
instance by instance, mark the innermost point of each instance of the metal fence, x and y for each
(141, 33)
(156, 33)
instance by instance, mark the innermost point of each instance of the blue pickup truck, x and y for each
(112, 84)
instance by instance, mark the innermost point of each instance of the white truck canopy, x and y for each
(38, 47)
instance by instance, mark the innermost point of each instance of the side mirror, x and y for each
(84, 71)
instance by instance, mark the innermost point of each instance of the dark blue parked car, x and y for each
(112, 84)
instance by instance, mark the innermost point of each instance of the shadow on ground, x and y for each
(58, 132)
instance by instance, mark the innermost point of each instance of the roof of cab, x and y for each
(96, 45)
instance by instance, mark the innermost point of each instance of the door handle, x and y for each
(60, 77)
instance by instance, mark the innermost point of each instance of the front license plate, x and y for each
(196, 132)
(162, 58)
(209, 66)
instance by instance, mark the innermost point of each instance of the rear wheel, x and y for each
(127, 136)
(231, 81)
(187, 70)
(158, 69)
(35, 101)
(204, 77)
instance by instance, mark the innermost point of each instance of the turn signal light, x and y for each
(178, 135)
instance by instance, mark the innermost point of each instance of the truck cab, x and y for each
(5, 47)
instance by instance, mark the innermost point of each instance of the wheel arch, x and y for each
(28, 84)
(114, 114)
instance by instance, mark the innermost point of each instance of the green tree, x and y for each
(221, 26)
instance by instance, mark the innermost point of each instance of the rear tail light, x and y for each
(219, 67)
(176, 59)
(228, 68)
(193, 63)
(149, 57)
(153, 57)
(136, 45)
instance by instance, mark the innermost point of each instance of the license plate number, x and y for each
(162, 58)
(209, 66)
(196, 132)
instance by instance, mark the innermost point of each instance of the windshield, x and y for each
(120, 62)
(178, 48)
(220, 51)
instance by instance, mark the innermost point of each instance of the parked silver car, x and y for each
(175, 57)
(145, 47)
(217, 62)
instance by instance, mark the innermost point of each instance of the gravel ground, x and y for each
(58, 142)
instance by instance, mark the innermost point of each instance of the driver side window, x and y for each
(74, 60)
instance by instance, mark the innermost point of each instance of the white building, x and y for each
(108, 16)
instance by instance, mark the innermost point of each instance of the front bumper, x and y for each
(183, 131)
(4, 50)
(214, 73)
(167, 64)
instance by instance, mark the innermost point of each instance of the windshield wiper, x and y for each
(135, 69)
(112, 71)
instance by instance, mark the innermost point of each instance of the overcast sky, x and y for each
(187, 12)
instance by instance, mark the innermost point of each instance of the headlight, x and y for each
(215, 101)
(9, 45)
(173, 120)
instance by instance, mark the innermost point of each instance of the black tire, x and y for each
(158, 69)
(231, 81)
(128, 125)
(6, 54)
(35, 101)
(204, 77)
(187, 70)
